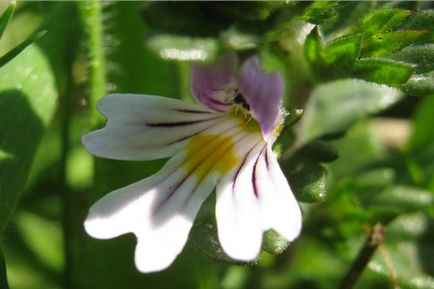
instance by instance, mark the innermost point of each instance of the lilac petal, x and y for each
(214, 85)
(262, 92)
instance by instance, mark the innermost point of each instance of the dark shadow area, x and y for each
(21, 132)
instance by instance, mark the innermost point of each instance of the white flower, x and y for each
(223, 142)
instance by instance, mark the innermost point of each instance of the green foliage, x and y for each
(367, 51)
(24, 124)
(334, 106)
(6, 17)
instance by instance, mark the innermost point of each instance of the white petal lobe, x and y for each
(279, 208)
(237, 210)
(144, 127)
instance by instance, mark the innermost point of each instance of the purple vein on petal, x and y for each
(240, 167)
(235, 143)
(193, 111)
(254, 179)
(179, 123)
(199, 132)
(266, 159)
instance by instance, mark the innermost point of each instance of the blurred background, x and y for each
(357, 149)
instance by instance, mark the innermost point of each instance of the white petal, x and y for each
(158, 246)
(237, 210)
(122, 210)
(159, 210)
(144, 127)
(279, 208)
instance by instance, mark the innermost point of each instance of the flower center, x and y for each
(210, 153)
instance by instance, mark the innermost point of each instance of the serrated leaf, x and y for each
(384, 71)
(334, 106)
(344, 50)
(184, 48)
(382, 20)
(6, 16)
(422, 19)
(420, 55)
(383, 44)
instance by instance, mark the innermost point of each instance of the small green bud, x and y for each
(274, 243)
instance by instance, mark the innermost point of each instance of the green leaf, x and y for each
(334, 106)
(344, 50)
(319, 150)
(313, 48)
(419, 85)
(383, 44)
(422, 19)
(383, 71)
(320, 11)
(6, 17)
(407, 261)
(307, 177)
(382, 20)
(14, 52)
(420, 55)
(27, 101)
(184, 48)
(359, 148)
(401, 199)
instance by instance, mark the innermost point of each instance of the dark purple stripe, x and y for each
(266, 158)
(179, 123)
(192, 111)
(255, 185)
(169, 195)
(239, 169)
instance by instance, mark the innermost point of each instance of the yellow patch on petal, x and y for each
(210, 153)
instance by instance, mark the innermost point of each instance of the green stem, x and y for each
(91, 16)
(374, 240)
(91, 12)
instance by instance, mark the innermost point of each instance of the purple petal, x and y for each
(262, 92)
(214, 85)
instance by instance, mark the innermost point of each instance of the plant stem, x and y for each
(90, 12)
(374, 239)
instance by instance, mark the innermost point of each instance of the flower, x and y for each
(223, 143)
